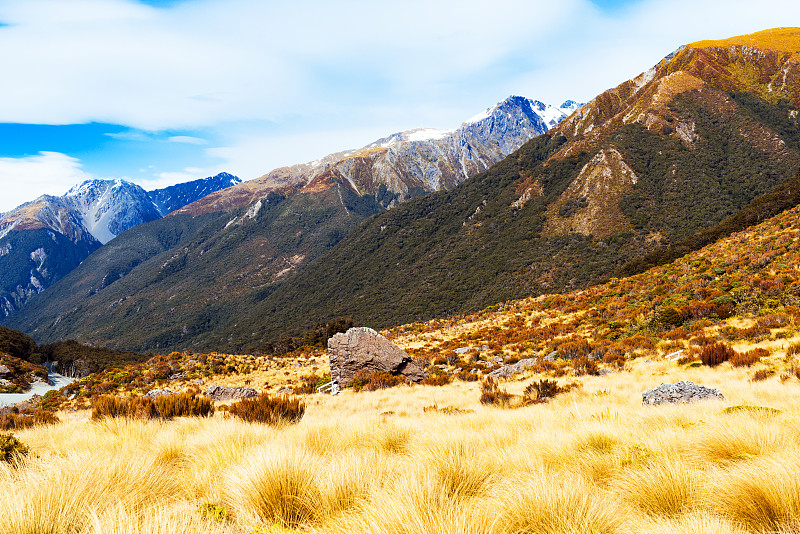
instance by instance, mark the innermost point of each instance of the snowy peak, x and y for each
(109, 207)
(177, 196)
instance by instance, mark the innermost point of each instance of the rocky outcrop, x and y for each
(514, 369)
(153, 394)
(680, 392)
(364, 349)
(224, 393)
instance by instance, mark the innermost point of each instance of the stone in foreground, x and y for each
(364, 349)
(680, 393)
(223, 393)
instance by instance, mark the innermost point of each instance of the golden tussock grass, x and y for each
(593, 460)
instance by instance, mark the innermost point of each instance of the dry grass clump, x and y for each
(164, 407)
(564, 505)
(269, 410)
(762, 496)
(659, 489)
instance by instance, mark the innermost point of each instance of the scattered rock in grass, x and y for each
(513, 369)
(364, 349)
(4, 371)
(551, 357)
(223, 393)
(604, 372)
(156, 393)
(178, 376)
(286, 391)
(680, 392)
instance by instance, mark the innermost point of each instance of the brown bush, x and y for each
(541, 390)
(746, 359)
(437, 380)
(374, 381)
(269, 410)
(761, 374)
(585, 366)
(164, 407)
(793, 349)
(12, 419)
(467, 376)
(492, 394)
(183, 404)
(716, 353)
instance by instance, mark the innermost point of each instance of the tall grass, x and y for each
(376, 462)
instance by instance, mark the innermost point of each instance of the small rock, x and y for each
(178, 376)
(198, 382)
(223, 393)
(496, 359)
(604, 372)
(4, 371)
(551, 357)
(462, 350)
(286, 391)
(156, 393)
(680, 392)
(513, 369)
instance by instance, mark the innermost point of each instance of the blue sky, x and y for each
(162, 91)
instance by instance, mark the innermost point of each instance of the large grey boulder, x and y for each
(223, 393)
(680, 392)
(364, 349)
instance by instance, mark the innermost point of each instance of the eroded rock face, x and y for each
(223, 393)
(365, 349)
(680, 392)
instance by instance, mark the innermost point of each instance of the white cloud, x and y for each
(297, 80)
(24, 179)
(187, 139)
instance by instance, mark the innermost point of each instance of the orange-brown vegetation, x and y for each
(268, 410)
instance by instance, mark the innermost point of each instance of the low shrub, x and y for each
(185, 404)
(373, 381)
(541, 390)
(493, 395)
(584, 366)
(746, 359)
(11, 448)
(269, 410)
(761, 374)
(716, 353)
(439, 379)
(12, 419)
(467, 376)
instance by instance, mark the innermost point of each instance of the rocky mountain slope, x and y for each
(409, 163)
(43, 240)
(218, 255)
(709, 133)
(649, 164)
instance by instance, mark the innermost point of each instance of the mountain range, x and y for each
(703, 144)
(218, 251)
(43, 240)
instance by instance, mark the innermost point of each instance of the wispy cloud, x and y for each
(188, 139)
(276, 83)
(27, 178)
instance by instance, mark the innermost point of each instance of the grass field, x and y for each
(590, 461)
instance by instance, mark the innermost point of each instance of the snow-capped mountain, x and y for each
(109, 207)
(174, 197)
(43, 240)
(410, 162)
